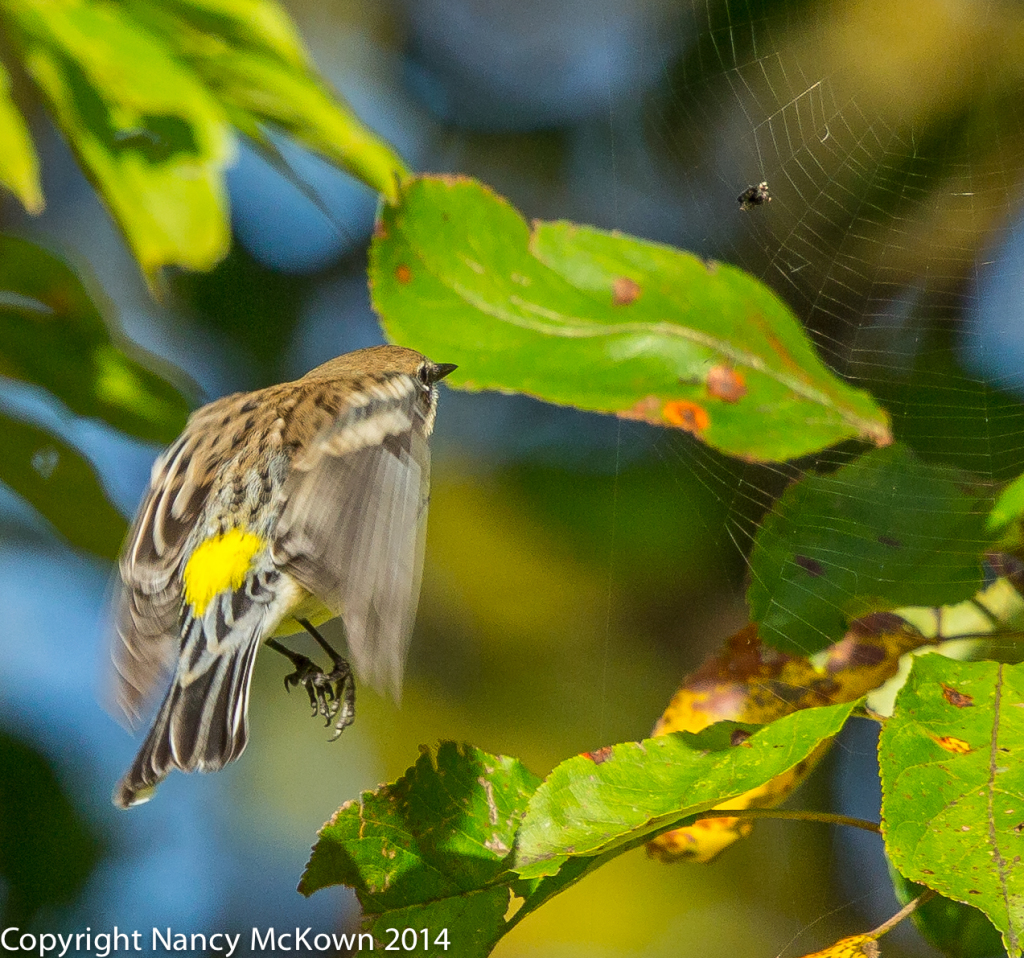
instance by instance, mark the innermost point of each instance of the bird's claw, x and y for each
(330, 693)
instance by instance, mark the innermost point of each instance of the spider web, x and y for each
(889, 138)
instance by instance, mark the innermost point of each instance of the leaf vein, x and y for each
(997, 855)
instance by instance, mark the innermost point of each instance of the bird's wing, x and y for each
(145, 606)
(352, 525)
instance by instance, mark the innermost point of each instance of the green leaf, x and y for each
(471, 923)
(147, 131)
(952, 765)
(250, 55)
(605, 322)
(620, 797)
(423, 849)
(19, 167)
(53, 335)
(883, 532)
(61, 484)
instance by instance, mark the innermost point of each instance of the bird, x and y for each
(272, 512)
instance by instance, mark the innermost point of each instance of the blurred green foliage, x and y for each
(149, 96)
(48, 849)
(53, 335)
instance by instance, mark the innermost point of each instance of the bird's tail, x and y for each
(203, 721)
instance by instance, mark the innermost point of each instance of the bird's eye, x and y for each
(424, 374)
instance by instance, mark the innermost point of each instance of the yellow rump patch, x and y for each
(219, 564)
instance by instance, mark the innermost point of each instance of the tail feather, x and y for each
(202, 723)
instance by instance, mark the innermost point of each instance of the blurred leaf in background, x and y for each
(53, 335)
(48, 847)
(60, 483)
(149, 95)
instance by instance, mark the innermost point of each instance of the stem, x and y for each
(908, 909)
(826, 817)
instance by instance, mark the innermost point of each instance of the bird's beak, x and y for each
(443, 369)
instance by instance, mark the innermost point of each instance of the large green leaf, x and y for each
(620, 797)
(147, 131)
(61, 484)
(252, 58)
(423, 852)
(19, 167)
(952, 765)
(53, 335)
(883, 532)
(605, 322)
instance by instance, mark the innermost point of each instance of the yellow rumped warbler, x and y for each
(274, 511)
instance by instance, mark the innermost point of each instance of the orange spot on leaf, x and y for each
(686, 415)
(960, 700)
(726, 384)
(625, 291)
(403, 274)
(955, 745)
(599, 756)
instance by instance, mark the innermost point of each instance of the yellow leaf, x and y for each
(856, 946)
(750, 682)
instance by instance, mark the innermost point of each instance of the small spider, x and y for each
(754, 196)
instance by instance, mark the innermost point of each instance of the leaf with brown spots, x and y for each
(885, 532)
(750, 682)
(424, 851)
(811, 566)
(953, 787)
(583, 810)
(605, 322)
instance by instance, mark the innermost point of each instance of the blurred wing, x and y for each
(353, 523)
(145, 636)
